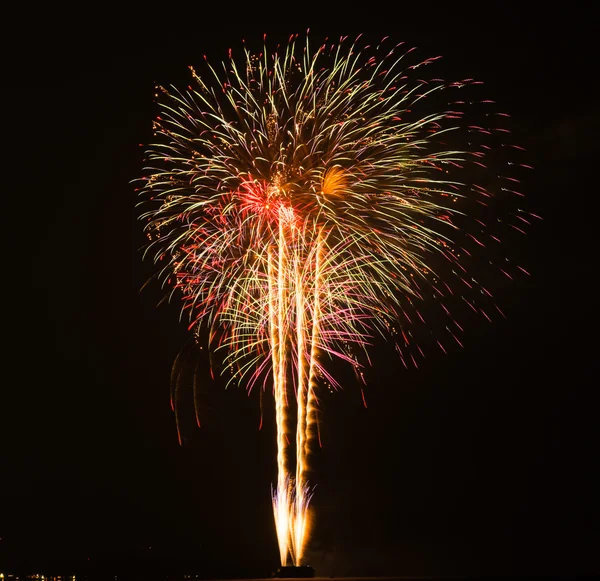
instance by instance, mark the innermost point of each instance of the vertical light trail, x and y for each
(306, 407)
(280, 494)
(300, 501)
(312, 377)
(282, 396)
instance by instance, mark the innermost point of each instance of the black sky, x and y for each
(482, 462)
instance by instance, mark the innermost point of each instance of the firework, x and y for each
(302, 202)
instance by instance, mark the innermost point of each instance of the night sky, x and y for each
(481, 462)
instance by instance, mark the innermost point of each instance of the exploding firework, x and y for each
(302, 202)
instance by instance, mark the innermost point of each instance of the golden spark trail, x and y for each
(301, 393)
(306, 408)
(311, 426)
(281, 493)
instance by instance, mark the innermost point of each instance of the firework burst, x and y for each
(302, 202)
